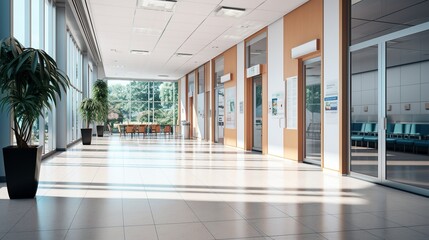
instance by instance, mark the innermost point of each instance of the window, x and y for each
(34, 25)
(257, 50)
(142, 102)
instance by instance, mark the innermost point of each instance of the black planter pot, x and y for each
(22, 167)
(86, 135)
(100, 130)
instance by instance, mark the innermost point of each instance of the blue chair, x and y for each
(394, 132)
(359, 135)
(373, 138)
(421, 144)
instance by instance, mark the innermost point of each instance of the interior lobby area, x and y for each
(214, 119)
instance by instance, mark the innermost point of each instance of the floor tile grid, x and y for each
(211, 190)
(86, 192)
(150, 207)
(196, 215)
(249, 221)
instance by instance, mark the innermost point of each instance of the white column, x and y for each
(276, 87)
(331, 76)
(240, 94)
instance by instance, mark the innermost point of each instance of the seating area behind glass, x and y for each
(413, 137)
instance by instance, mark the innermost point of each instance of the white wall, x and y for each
(276, 85)
(240, 94)
(331, 76)
(183, 114)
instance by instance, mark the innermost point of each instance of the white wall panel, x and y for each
(276, 85)
(331, 71)
(183, 114)
(240, 94)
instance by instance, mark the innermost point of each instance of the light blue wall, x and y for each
(5, 31)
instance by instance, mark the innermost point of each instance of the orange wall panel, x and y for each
(230, 66)
(300, 26)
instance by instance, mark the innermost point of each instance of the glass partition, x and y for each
(407, 80)
(364, 111)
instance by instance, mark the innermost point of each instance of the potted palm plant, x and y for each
(87, 109)
(30, 83)
(100, 94)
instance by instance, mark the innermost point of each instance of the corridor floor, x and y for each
(163, 189)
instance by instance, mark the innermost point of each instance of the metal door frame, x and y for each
(254, 82)
(380, 42)
(310, 61)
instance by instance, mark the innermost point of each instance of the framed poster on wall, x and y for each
(230, 107)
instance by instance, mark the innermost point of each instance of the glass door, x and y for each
(219, 114)
(312, 118)
(389, 109)
(364, 116)
(407, 110)
(257, 113)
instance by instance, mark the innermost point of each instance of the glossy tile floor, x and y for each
(163, 189)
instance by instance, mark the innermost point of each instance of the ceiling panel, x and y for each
(242, 3)
(195, 8)
(192, 27)
(279, 6)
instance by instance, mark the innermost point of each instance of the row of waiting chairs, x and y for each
(411, 135)
(143, 129)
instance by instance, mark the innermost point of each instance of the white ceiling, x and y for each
(192, 27)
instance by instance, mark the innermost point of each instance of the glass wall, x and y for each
(142, 102)
(201, 80)
(257, 50)
(74, 95)
(389, 79)
(36, 28)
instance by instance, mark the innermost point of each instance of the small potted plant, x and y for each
(30, 83)
(100, 92)
(87, 109)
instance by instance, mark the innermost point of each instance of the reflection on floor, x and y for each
(403, 167)
(121, 188)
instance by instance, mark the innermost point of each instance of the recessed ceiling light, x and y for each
(184, 54)
(158, 5)
(230, 12)
(113, 50)
(147, 31)
(163, 75)
(140, 52)
(215, 47)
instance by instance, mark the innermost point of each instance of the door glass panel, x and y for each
(257, 113)
(407, 110)
(312, 112)
(364, 111)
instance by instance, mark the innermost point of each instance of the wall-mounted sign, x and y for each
(331, 104)
(254, 71)
(226, 78)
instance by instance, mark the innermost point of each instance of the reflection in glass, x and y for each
(257, 50)
(364, 111)
(374, 18)
(312, 112)
(407, 140)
